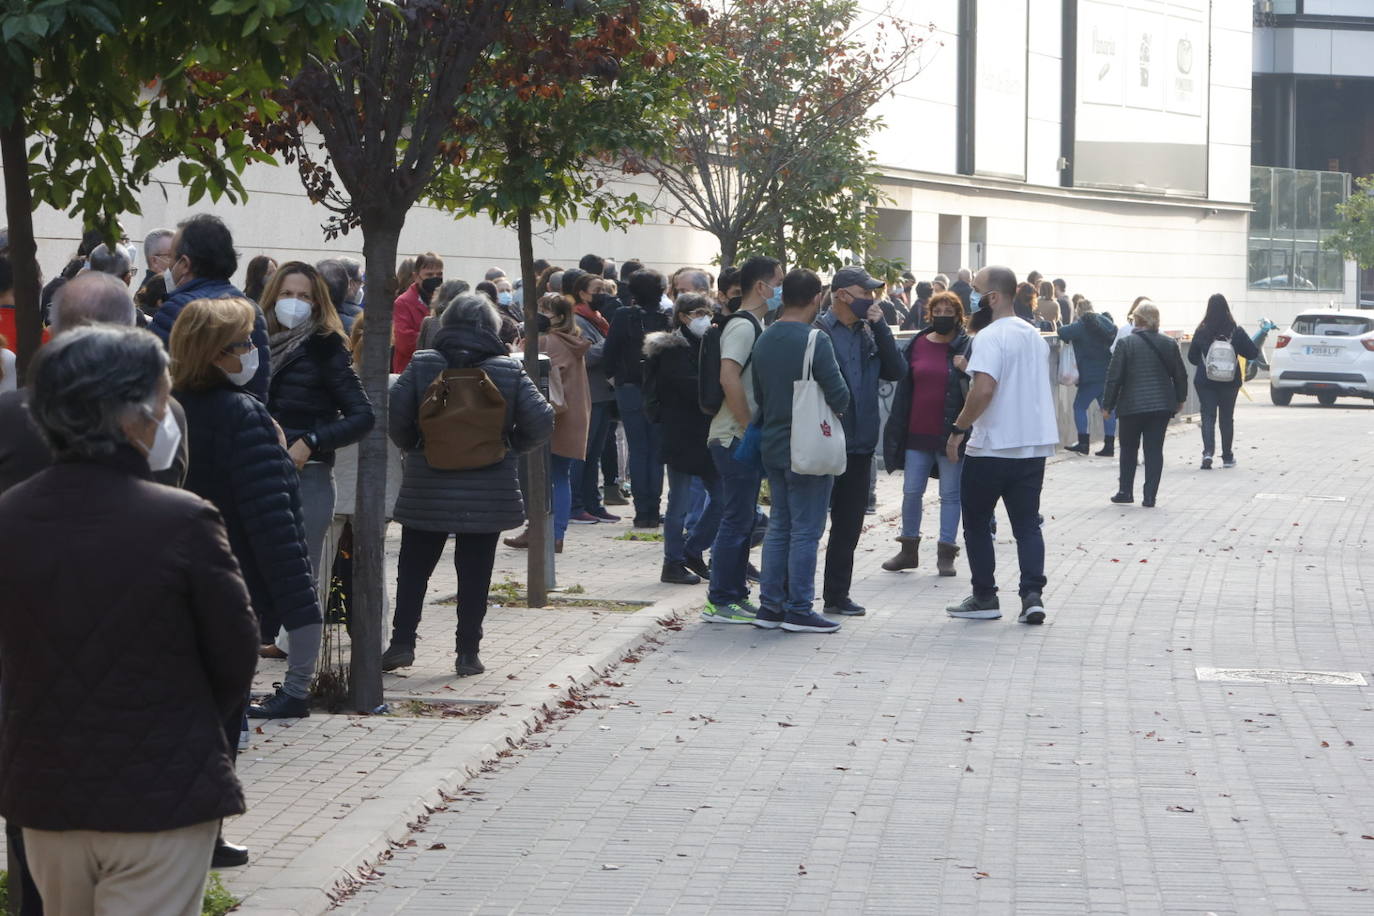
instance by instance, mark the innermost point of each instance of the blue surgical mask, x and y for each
(503, 297)
(774, 301)
(974, 298)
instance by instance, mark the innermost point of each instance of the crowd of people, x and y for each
(715, 384)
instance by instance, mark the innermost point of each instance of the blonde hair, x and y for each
(322, 312)
(1147, 316)
(202, 332)
(560, 312)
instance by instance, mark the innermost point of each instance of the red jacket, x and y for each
(409, 312)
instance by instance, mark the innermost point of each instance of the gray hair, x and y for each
(110, 261)
(698, 280)
(152, 238)
(451, 290)
(467, 308)
(941, 278)
(85, 383)
(353, 267)
(965, 275)
(689, 302)
(92, 297)
(556, 281)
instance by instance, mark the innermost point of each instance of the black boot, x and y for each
(1082, 446)
(281, 705)
(227, 855)
(674, 574)
(467, 664)
(398, 656)
(1108, 447)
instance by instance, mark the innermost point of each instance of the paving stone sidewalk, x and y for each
(917, 764)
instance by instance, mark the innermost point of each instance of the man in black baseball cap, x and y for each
(866, 353)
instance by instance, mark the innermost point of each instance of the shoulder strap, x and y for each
(754, 325)
(810, 353)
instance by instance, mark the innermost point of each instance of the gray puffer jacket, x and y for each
(1140, 381)
(481, 500)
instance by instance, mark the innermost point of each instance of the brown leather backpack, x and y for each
(463, 421)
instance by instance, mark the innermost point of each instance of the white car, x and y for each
(1328, 354)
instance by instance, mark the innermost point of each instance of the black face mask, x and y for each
(602, 301)
(942, 324)
(541, 321)
(428, 287)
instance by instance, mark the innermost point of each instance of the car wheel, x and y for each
(1326, 398)
(1282, 397)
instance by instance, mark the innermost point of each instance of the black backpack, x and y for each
(710, 396)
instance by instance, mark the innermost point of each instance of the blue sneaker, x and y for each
(768, 618)
(809, 622)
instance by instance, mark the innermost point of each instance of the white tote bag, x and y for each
(817, 436)
(1068, 365)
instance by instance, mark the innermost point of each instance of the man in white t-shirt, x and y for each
(1010, 411)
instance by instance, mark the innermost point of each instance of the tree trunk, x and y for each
(368, 607)
(23, 251)
(780, 242)
(536, 573)
(729, 249)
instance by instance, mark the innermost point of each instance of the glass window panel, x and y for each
(1261, 195)
(1330, 271)
(1259, 265)
(1284, 217)
(1333, 193)
(1307, 193)
(1305, 272)
(1280, 268)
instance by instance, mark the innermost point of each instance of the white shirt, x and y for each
(1020, 420)
(10, 380)
(1121, 334)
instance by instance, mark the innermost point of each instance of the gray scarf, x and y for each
(286, 342)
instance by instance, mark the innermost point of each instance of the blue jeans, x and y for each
(560, 469)
(645, 441)
(739, 499)
(1017, 483)
(698, 506)
(1087, 393)
(800, 503)
(586, 475)
(914, 480)
(679, 538)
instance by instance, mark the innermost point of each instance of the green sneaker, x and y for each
(733, 612)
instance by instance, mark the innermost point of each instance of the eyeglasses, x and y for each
(239, 348)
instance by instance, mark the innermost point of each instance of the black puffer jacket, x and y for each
(1139, 381)
(670, 399)
(317, 391)
(118, 672)
(238, 464)
(623, 355)
(956, 390)
(481, 500)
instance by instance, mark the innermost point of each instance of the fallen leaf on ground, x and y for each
(1181, 810)
(787, 724)
(610, 868)
(437, 846)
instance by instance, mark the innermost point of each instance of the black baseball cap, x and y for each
(853, 276)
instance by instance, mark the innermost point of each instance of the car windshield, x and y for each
(1332, 325)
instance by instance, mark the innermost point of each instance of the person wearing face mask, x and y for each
(866, 353)
(506, 303)
(929, 396)
(239, 463)
(590, 303)
(315, 397)
(670, 399)
(412, 308)
(159, 652)
(203, 260)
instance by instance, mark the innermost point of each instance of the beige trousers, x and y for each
(84, 872)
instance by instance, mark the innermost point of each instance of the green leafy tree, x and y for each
(96, 94)
(765, 151)
(1354, 234)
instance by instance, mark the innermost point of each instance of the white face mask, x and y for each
(165, 441)
(291, 312)
(247, 369)
(700, 325)
(168, 281)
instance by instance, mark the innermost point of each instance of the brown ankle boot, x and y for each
(907, 558)
(944, 561)
(521, 541)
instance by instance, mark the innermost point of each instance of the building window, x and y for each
(1295, 210)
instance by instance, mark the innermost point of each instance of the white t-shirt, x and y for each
(1121, 334)
(736, 343)
(1020, 420)
(10, 381)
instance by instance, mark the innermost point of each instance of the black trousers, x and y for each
(473, 557)
(1218, 403)
(1132, 430)
(848, 502)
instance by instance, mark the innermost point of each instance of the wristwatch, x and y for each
(311, 441)
(957, 431)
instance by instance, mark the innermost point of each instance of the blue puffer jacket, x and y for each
(238, 464)
(216, 289)
(1092, 337)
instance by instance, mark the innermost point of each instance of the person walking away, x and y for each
(590, 304)
(1147, 384)
(1217, 343)
(567, 351)
(117, 766)
(787, 586)
(727, 599)
(474, 505)
(1091, 335)
(623, 357)
(1010, 412)
(963, 288)
(671, 400)
(314, 395)
(929, 397)
(412, 307)
(863, 346)
(203, 260)
(239, 463)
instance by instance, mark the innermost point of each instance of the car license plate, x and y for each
(1323, 351)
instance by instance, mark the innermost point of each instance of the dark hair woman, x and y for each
(1215, 391)
(929, 398)
(257, 276)
(918, 316)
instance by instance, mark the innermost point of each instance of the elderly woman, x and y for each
(474, 505)
(239, 464)
(125, 815)
(1146, 385)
